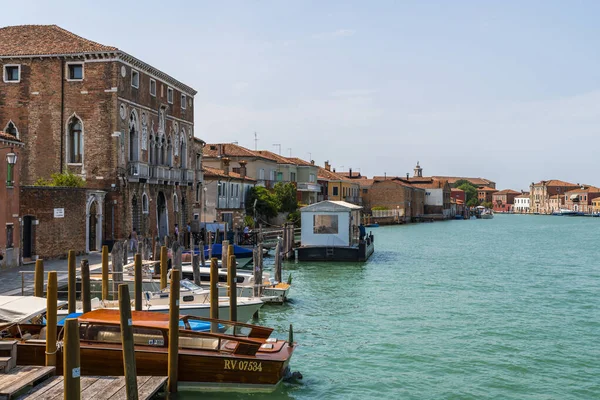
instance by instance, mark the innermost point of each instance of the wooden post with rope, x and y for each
(225, 254)
(51, 306)
(214, 293)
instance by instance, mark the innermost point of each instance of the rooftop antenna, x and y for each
(310, 156)
(255, 141)
(279, 146)
(290, 150)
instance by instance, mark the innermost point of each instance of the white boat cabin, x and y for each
(330, 224)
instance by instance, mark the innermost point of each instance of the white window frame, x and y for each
(171, 91)
(135, 72)
(151, 82)
(175, 203)
(145, 204)
(183, 101)
(67, 72)
(5, 75)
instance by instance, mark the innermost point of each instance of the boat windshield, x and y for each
(189, 285)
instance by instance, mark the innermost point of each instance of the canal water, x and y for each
(507, 308)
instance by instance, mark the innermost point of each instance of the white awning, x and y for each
(14, 309)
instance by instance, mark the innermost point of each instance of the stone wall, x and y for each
(53, 237)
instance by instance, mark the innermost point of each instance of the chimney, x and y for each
(243, 168)
(407, 176)
(333, 170)
(349, 172)
(220, 149)
(327, 166)
(312, 162)
(225, 165)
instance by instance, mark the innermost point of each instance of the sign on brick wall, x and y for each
(59, 213)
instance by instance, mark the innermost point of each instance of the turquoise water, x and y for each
(506, 308)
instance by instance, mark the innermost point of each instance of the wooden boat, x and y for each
(238, 357)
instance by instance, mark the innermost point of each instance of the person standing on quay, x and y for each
(176, 232)
(133, 241)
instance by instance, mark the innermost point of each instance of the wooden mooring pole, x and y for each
(51, 306)
(277, 267)
(105, 272)
(127, 339)
(173, 330)
(201, 253)
(137, 288)
(164, 262)
(38, 279)
(71, 360)
(231, 277)
(214, 293)
(225, 254)
(86, 297)
(72, 280)
(196, 267)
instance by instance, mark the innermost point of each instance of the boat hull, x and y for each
(196, 371)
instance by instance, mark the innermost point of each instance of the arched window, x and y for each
(183, 212)
(175, 203)
(183, 152)
(169, 152)
(163, 150)
(145, 208)
(11, 129)
(75, 141)
(151, 150)
(134, 140)
(198, 192)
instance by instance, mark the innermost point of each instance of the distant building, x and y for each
(504, 200)
(548, 196)
(338, 187)
(485, 194)
(10, 228)
(580, 199)
(521, 204)
(458, 194)
(397, 200)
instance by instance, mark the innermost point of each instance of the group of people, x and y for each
(133, 236)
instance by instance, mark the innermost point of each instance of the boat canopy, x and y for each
(15, 309)
(331, 206)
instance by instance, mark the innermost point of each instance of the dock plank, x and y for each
(21, 377)
(152, 386)
(47, 385)
(98, 387)
(122, 393)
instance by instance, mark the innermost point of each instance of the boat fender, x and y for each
(291, 377)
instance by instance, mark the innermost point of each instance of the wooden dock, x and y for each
(99, 388)
(19, 379)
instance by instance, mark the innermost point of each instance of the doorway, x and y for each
(161, 215)
(93, 226)
(27, 236)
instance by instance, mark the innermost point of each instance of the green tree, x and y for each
(266, 202)
(470, 192)
(488, 204)
(66, 179)
(286, 197)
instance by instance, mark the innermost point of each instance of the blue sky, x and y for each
(505, 90)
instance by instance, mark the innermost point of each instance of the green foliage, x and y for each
(470, 192)
(286, 197)
(474, 202)
(66, 179)
(294, 217)
(266, 202)
(249, 221)
(488, 204)
(379, 208)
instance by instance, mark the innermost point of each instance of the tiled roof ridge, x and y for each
(219, 172)
(75, 36)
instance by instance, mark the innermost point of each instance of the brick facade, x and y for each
(396, 195)
(138, 149)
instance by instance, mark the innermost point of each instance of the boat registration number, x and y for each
(240, 365)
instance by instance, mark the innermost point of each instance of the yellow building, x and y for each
(338, 187)
(596, 205)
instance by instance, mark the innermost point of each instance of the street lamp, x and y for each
(11, 160)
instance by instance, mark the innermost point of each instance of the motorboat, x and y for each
(232, 356)
(565, 212)
(194, 301)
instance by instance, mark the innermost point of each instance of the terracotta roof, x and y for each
(329, 175)
(523, 195)
(385, 177)
(456, 190)
(273, 157)
(486, 189)
(588, 189)
(556, 182)
(216, 172)
(22, 40)
(399, 182)
(507, 191)
(229, 150)
(300, 161)
(355, 174)
(7, 137)
(365, 182)
(475, 181)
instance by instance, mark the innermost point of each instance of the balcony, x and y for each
(308, 187)
(187, 176)
(353, 200)
(138, 171)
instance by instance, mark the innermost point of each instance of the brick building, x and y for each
(10, 227)
(98, 112)
(580, 199)
(458, 194)
(548, 196)
(398, 196)
(504, 200)
(485, 194)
